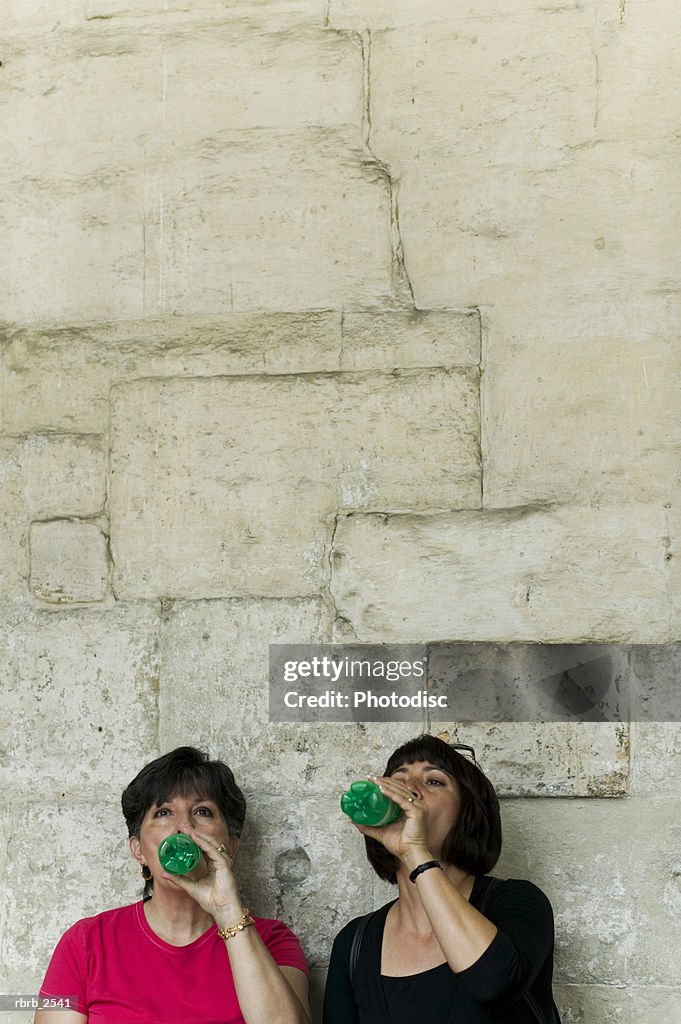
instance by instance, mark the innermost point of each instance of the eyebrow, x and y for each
(426, 768)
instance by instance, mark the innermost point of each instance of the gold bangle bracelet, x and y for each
(229, 933)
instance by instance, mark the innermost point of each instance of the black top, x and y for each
(501, 987)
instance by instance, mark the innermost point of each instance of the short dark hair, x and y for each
(184, 771)
(474, 841)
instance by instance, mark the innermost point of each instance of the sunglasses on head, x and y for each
(466, 750)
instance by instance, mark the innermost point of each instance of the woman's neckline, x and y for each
(419, 974)
(163, 943)
(473, 899)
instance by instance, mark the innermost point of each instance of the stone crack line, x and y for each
(335, 617)
(401, 282)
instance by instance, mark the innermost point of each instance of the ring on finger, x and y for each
(221, 848)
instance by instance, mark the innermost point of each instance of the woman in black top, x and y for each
(456, 947)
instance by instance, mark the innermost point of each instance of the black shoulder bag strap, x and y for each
(356, 947)
(355, 951)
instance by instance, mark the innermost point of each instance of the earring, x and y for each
(147, 877)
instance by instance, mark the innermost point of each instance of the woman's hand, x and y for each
(266, 993)
(409, 834)
(216, 891)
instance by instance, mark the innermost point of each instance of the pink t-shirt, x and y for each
(121, 972)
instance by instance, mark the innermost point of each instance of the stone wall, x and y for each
(329, 320)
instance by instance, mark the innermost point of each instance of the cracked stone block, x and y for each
(626, 214)
(84, 173)
(127, 239)
(632, 81)
(491, 186)
(547, 759)
(71, 154)
(339, 879)
(611, 870)
(55, 867)
(60, 378)
(44, 476)
(69, 562)
(626, 1005)
(476, 203)
(656, 758)
(546, 102)
(311, 77)
(138, 226)
(481, 220)
(555, 574)
(247, 224)
(535, 453)
(90, 263)
(411, 338)
(79, 695)
(283, 456)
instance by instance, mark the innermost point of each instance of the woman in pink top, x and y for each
(189, 952)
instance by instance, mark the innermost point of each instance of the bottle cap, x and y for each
(178, 854)
(365, 804)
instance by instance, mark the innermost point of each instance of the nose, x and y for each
(413, 785)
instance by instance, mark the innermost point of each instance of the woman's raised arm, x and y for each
(267, 993)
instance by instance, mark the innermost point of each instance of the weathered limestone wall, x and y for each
(331, 319)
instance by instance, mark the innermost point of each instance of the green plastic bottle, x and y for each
(178, 854)
(366, 805)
